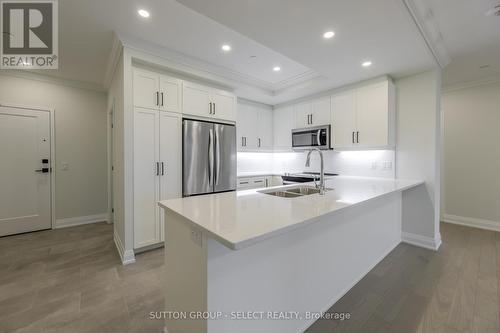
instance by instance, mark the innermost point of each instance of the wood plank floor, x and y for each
(71, 280)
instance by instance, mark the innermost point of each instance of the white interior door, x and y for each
(170, 159)
(146, 177)
(24, 188)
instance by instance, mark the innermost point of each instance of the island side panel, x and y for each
(305, 270)
(186, 274)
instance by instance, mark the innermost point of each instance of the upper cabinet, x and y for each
(364, 117)
(283, 123)
(202, 101)
(313, 113)
(155, 91)
(254, 128)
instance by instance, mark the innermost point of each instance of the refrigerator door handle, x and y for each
(210, 157)
(217, 158)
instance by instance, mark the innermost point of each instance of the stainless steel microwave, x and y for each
(311, 137)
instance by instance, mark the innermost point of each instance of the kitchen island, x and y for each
(249, 261)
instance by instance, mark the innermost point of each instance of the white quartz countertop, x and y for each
(257, 174)
(240, 219)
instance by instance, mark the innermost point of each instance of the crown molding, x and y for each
(470, 84)
(24, 74)
(113, 58)
(197, 67)
(423, 18)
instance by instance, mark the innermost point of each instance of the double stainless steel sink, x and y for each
(293, 192)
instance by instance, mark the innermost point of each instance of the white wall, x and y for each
(418, 153)
(471, 162)
(371, 163)
(80, 140)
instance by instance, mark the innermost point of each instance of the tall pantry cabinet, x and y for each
(157, 152)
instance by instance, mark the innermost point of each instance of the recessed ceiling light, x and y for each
(366, 64)
(143, 13)
(226, 47)
(328, 34)
(276, 68)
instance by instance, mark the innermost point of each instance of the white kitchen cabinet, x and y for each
(202, 101)
(343, 119)
(253, 182)
(155, 91)
(265, 129)
(246, 127)
(372, 115)
(364, 118)
(254, 128)
(313, 113)
(283, 123)
(157, 170)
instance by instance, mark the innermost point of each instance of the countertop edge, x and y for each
(274, 233)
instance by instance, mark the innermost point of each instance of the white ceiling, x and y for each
(287, 33)
(472, 38)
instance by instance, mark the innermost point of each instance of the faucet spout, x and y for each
(322, 169)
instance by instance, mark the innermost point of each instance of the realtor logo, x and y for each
(29, 34)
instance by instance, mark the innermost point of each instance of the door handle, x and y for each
(311, 119)
(217, 158)
(210, 157)
(210, 106)
(162, 98)
(157, 168)
(162, 169)
(42, 170)
(357, 137)
(353, 137)
(157, 99)
(259, 142)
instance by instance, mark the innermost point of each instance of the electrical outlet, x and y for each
(196, 237)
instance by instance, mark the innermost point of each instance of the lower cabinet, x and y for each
(157, 171)
(253, 182)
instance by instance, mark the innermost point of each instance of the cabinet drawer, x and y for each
(253, 182)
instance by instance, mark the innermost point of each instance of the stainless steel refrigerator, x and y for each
(209, 157)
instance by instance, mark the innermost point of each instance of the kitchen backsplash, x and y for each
(370, 163)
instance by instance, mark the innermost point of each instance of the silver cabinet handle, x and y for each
(215, 109)
(210, 108)
(157, 98)
(357, 137)
(312, 119)
(157, 168)
(353, 137)
(259, 142)
(162, 169)
(162, 98)
(318, 139)
(43, 170)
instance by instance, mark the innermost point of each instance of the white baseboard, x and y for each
(79, 220)
(472, 222)
(422, 241)
(127, 257)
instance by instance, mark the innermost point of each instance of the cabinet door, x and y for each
(170, 94)
(372, 115)
(320, 114)
(224, 105)
(343, 119)
(146, 179)
(265, 129)
(246, 127)
(196, 99)
(170, 158)
(146, 89)
(283, 123)
(303, 113)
